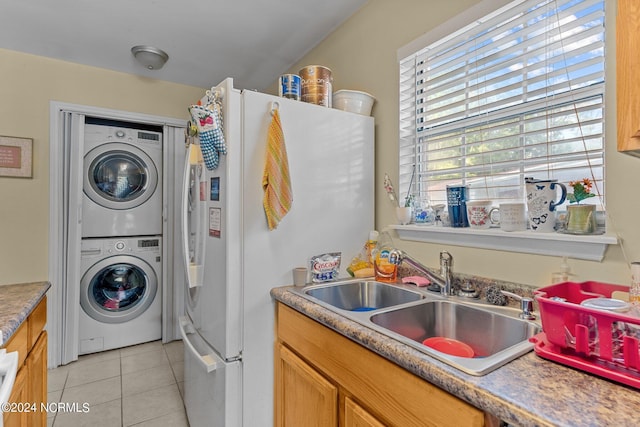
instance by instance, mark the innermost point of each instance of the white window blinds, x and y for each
(518, 93)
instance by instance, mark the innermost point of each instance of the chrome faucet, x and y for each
(443, 280)
(526, 305)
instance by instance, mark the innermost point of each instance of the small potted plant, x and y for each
(581, 219)
(403, 212)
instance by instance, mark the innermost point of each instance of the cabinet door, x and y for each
(37, 364)
(398, 397)
(19, 394)
(356, 416)
(628, 85)
(304, 398)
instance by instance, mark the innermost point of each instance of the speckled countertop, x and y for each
(529, 391)
(16, 303)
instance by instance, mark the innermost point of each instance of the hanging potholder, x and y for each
(209, 153)
(218, 140)
(210, 133)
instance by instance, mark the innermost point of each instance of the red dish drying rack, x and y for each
(586, 338)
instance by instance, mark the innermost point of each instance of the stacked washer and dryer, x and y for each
(121, 247)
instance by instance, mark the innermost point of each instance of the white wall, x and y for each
(27, 85)
(362, 55)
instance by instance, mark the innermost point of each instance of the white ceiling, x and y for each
(253, 41)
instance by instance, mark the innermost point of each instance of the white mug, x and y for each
(513, 216)
(479, 213)
(541, 202)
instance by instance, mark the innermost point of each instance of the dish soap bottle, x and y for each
(362, 264)
(385, 259)
(634, 291)
(564, 273)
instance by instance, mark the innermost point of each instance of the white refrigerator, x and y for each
(233, 260)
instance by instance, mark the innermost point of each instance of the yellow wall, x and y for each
(27, 85)
(363, 56)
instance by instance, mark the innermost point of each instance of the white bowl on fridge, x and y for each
(353, 101)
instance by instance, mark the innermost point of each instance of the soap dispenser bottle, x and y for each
(564, 274)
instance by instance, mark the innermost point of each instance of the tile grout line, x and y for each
(165, 351)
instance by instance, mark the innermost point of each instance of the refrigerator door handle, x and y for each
(193, 270)
(210, 361)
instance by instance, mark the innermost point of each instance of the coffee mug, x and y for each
(542, 199)
(479, 213)
(456, 202)
(511, 216)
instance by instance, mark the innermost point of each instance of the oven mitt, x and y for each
(210, 132)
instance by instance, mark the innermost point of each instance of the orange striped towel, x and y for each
(276, 182)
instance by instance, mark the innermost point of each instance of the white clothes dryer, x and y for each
(120, 293)
(122, 179)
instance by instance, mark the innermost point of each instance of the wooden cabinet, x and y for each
(19, 393)
(30, 388)
(323, 372)
(304, 393)
(627, 80)
(37, 369)
(356, 416)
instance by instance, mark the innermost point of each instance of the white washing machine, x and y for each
(120, 293)
(122, 179)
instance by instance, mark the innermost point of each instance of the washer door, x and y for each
(119, 176)
(118, 289)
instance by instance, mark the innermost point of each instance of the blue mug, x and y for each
(457, 205)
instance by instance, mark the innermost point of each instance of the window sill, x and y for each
(589, 247)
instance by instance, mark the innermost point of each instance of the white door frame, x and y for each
(56, 301)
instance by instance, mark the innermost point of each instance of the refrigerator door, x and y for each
(331, 163)
(220, 322)
(212, 386)
(193, 221)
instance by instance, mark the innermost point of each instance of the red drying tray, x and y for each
(567, 328)
(545, 349)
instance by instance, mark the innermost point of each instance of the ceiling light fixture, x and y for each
(149, 56)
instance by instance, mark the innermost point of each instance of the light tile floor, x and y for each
(140, 385)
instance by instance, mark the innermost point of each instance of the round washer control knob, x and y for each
(120, 133)
(120, 245)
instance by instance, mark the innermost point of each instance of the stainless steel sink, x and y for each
(362, 295)
(495, 338)
(410, 315)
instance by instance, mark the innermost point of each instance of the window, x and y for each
(515, 94)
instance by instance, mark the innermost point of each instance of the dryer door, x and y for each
(119, 176)
(118, 289)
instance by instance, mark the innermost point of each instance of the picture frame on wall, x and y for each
(16, 157)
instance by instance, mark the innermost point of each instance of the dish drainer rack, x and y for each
(604, 343)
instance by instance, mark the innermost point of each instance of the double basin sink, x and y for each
(410, 315)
